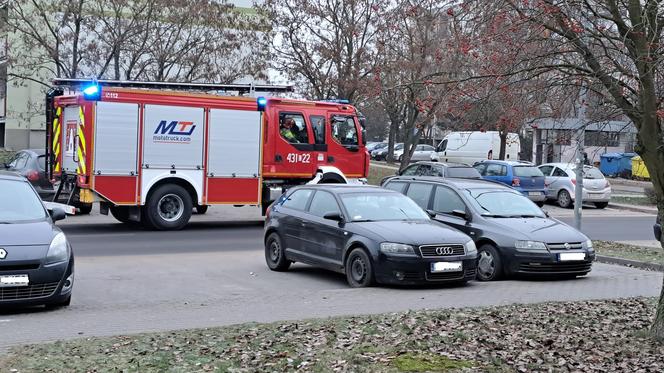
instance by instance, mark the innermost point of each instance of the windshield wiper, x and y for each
(6, 222)
(497, 216)
(362, 220)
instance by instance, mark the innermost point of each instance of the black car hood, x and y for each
(415, 232)
(540, 229)
(27, 234)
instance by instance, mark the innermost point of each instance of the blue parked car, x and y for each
(522, 176)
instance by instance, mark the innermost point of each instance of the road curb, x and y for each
(634, 208)
(629, 263)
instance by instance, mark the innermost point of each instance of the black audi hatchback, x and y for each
(36, 260)
(513, 235)
(368, 233)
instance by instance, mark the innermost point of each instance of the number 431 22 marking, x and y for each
(298, 158)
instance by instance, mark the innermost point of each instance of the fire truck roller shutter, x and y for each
(234, 156)
(116, 152)
(69, 139)
(172, 167)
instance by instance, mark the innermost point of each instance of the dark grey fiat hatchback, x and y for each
(368, 233)
(36, 260)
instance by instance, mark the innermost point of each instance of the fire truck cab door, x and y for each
(295, 151)
(344, 145)
(70, 124)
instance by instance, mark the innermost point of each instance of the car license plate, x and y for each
(446, 267)
(14, 280)
(569, 257)
(534, 193)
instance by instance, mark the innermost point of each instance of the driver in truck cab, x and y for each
(287, 130)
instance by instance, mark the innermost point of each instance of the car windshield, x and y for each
(465, 172)
(527, 171)
(504, 204)
(398, 146)
(19, 202)
(381, 207)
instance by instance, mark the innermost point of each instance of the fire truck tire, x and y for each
(331, 178)
(121, 214)
(169, 207)
(201, 210)
(84, 208)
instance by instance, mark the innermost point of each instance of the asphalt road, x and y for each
(213, 273)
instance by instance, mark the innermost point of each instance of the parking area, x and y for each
(214, 273)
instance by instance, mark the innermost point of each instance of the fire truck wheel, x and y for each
(84, 208)
(168, 208)
(201, 210)
(121, 214)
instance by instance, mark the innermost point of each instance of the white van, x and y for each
(471, 147)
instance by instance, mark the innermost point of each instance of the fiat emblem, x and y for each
(3, 253)
(567, 245)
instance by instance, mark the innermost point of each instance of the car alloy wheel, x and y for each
(564, 199)
(489, 264)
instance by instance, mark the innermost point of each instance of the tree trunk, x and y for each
(390, 141)
(503, 144)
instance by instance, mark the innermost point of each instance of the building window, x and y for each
(600, 138)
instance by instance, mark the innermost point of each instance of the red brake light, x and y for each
(516, 182)
(574, 181)
(32, 175)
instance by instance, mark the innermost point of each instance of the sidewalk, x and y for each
(636, 208)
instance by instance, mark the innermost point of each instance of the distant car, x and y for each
(31, 163)
(657, 228)
(522, 176)
(381, 154)
(36, 260)
(371, 146)
(437, 169)
(422, 153)
(561, 184)
(470, 147)
(368, 233)
(512, 234)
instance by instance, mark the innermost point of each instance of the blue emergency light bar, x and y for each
(337, 100)
(92, 92)
(262, 103)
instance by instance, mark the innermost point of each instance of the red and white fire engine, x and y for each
(152, 152)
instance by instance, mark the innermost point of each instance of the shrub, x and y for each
(650, 193)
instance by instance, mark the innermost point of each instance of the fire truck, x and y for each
(150, 153)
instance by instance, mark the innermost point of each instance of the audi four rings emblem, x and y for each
(3, 253)
(445, 250)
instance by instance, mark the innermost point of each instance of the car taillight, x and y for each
(516, 182)
(574, 181)
(607, 184)
(32, 175)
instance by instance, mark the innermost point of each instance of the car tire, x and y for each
(201, 209)
(489, 264)
(601, 205)
(121, 214)
(84, 208)
(401, 158)
(60, 304)
(359, 270)
(564, 199)
(275, 256)
(169, 207)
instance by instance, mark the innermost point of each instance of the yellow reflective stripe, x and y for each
(81, 116)
(81, 139)
(56, 138)
(57, 166)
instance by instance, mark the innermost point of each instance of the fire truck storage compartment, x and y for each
(172, 146)
(234, 157)
(116, 149)
(69, 146)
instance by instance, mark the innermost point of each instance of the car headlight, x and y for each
(397, 249)
(58, 251)
(588, 245)
(530, 245)
(470, 247)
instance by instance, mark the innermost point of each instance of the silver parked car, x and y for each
(422, 152)
(561, 181)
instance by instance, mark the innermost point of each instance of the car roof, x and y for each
(459, 183)
(9, 175)
(444, 164)
(343, 188)
(509, 163)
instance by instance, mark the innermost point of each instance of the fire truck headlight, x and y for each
(92, 92)
(261, 102)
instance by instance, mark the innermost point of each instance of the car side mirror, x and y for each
(431, 213)
(57, 214)
(461, 214)
(334, 216)
(5, 165)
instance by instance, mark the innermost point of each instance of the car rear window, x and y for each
(19, 202)
(527, 171)
(465, 172)
(592, 173)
